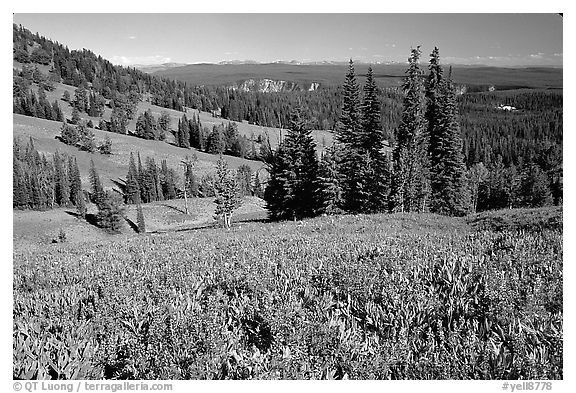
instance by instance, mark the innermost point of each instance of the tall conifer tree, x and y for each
(410, 184)
(292, 191)
(132, 184)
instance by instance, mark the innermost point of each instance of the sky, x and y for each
(128, 39)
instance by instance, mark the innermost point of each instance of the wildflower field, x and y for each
(401, 296)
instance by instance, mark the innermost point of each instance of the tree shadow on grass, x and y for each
(173, 208)
(90, 218)
(132, 224)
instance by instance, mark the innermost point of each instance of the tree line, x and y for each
(423, 169)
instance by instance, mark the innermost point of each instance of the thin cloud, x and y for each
(132, 37)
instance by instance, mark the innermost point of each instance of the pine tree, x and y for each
(534, 187)
(447, 169)
(227, 193)
(140, 219)
(216, 143)
(244, 178)
(141, 181)
(183, 135)
(332, 198)
(86, 136)
(167, 181)
(119, 120)
(75, 116)
(80, 204)
(69, 134)
(293, 187)
(132, 185)
(110, 212)
(98, 194)
(75, 180)
(146, 126)
(164, 125)
(410, 184)
(61, 182)
(257, 189)
(350, 123)
(371, 136)
(81, 99)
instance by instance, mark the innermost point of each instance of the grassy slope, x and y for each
(115, 166)
(351, 296)
(322, 137)
(33, 229)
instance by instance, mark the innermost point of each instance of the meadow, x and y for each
(395, 296)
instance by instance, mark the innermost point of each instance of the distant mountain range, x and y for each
(150, 68)
(292, 75)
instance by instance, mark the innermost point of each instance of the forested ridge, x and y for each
(510, 141)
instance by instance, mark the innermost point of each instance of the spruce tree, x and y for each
(75, 116)
(332, 198)
(141, 180)
(410, 184)
(371, 136)
(98, 194)
(447, 169)
(69, 134)
(140, 219)
(110, 214)
(227, 193)
(132, 184)
(167, 181)
(80, 204)
(350, 122)
(61, 181)
(293, 187)
(164, 125)
(75, 180)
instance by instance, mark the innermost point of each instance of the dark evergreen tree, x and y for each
(98, 195)
(447, 168)
(227, 193)
(410, 184)
(371, 136)
(81, 101)
(350, 120)
(146, 126)
(167, 181)
(140, 219)
(69, 134)
(164, 124)
(216, 143)
(534, 188)
(75, 180)
(86, 136)
(61, 181)
(141, 181)
(110, 214)
(292, 191)
(244, 180)
(183, 134)
(75, 116)
(80, 203)
(119, 120)
(332, 198)
(132, 184)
